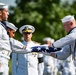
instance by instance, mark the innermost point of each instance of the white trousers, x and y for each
(4, 69)
(48, 70)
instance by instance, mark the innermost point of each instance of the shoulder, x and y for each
(72, 35)
(14, 40)
(1, 26)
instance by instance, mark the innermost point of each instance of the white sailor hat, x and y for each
(48, 39)
(12, 26)
(2, 6)
(27, 28)
(67, 18)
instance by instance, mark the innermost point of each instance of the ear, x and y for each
(0, 12)
(8, 29)
(71, 23)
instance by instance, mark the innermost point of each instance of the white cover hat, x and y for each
(48, 39)
(12, 26)
(2, 6)
(67, 18)
(27, 28)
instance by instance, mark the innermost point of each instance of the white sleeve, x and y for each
(4, 39)
(64, 53)
(16, 43)
(22, 50)
(68, 39)
(17, 47)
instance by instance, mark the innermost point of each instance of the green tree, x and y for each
(44, 15)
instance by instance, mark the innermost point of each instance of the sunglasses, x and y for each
(25, 33)
(13, 32)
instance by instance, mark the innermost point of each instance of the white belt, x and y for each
(5, 53)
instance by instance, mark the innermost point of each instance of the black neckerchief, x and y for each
(71, 30)
(3, 23)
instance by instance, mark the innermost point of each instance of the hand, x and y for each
(24, 47)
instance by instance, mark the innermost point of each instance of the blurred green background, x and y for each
(44, 15)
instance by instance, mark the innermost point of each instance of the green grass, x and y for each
(10, 67)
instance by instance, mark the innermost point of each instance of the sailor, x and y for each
(5, 48)
(67, 43)
(5, 43)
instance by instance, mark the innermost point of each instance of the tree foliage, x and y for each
(44, 15)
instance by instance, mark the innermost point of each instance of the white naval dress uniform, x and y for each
(25, 64)
(68, 44)
(5, 50)
(48, 65)
(60, 66)
(40, 64)
(68, 66)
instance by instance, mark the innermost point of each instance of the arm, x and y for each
(4, 39)
(54, 52)
(63, 54)
(18, 47)
(68, 39)
(15, 43)
(22, 50)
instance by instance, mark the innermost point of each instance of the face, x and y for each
(11, 33)
(47, 42)
(27, 36)
(67, 26)
(4, 14)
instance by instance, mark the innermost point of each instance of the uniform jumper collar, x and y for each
(70, 30)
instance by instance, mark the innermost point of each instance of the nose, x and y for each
(7, 13)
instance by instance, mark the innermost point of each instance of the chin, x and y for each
(5, 20)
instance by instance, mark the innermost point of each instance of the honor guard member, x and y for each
(5, 45)
(26, 64)
(67, 43)
(11, 29)
(5, 49)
